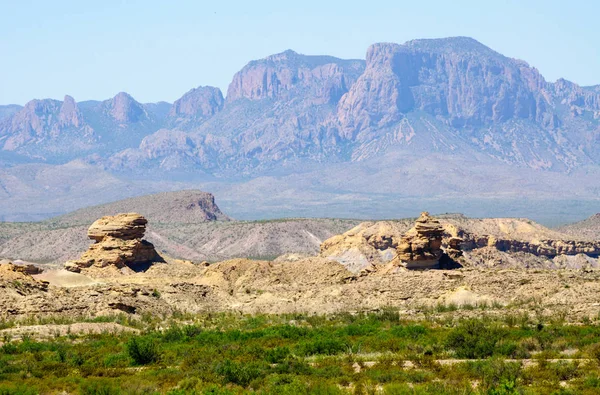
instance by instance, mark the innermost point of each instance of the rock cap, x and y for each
(127, 226)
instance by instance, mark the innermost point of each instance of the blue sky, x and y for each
(158, 50)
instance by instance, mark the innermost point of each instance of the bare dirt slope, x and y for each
(312, 285)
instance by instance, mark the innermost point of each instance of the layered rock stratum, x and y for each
(488, 242)
(421, 246)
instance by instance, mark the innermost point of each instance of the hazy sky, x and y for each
(158, 50)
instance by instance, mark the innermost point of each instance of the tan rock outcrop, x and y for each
(18, 277)
(118, 243)
(368, 244)
(421, 246)
(122, 226)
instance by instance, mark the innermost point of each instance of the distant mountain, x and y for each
(450, 95)
(58, 131)
(428, 118)
(276, 110)
(8, 110)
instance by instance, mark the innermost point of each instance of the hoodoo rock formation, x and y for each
(421, 246)
(118, 243)
(427, 244)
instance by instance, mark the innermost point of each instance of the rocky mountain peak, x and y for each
(199, 103)
(69, 113)
(576, 97)
(280, 76)
(458, 79)
(123, 108)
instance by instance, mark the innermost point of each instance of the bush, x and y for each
(9, 348)
(142, 350)
(277, 354)
(98, 387)
(506, 387)
(19, 390)
(322, 346)
(409, 331)
(473, 339)
(238, 373)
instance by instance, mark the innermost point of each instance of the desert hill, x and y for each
(588, 228)
(184, 224)
(190, 225)
(181, 207)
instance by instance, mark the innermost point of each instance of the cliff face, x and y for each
(458, 79)
(197, 105)
(321, 79)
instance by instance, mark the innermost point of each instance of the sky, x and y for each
(158, 50)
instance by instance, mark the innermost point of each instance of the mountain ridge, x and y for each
(408, 107)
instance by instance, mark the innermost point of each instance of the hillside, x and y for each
(185, 224)
(181, 207)
(190, 225)
(588, 228)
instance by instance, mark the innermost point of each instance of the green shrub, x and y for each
(9, 348)
(240, 373)
(17, 390)
(506, 387)
(277, 354)
(409, 331)
(98, 387)
(473, 339)
(322, 346)
(142, 350)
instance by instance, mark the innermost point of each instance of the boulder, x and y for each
(118, 243)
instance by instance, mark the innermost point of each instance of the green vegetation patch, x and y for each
(297, 354)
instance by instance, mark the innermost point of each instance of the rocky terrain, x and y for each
(424, 115)
(251, 286)
(487, 242)
(369, 267)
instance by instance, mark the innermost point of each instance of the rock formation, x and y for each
(421, 246)
(199, 103)
(368, 244)
(123, 108)
(118, 243)
(18, 277)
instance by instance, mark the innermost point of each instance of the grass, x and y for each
(344, 353)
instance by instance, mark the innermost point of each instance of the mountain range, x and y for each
(431, 118)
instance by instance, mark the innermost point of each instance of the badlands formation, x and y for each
(461, 262)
